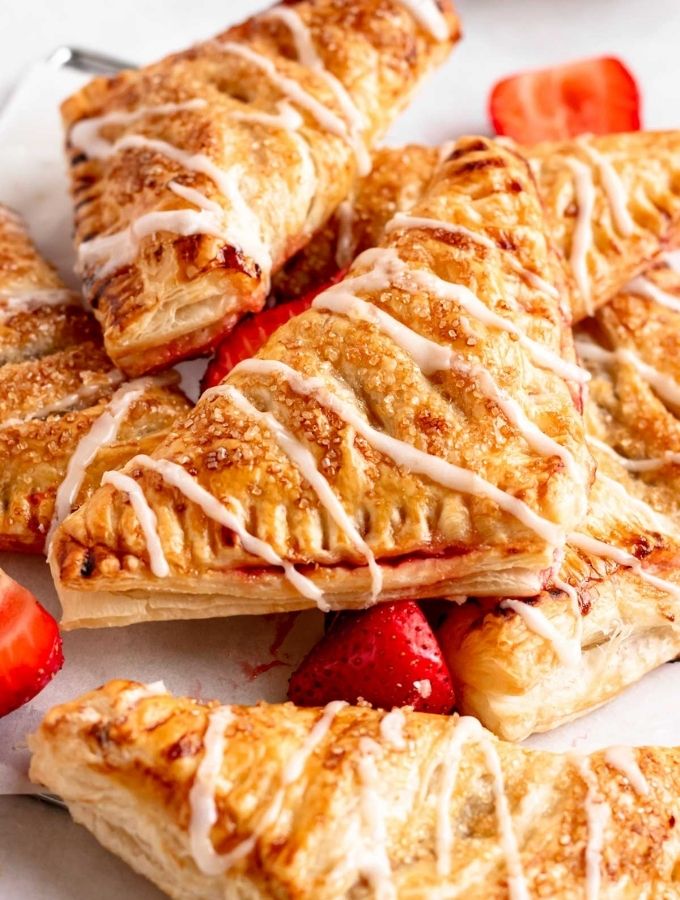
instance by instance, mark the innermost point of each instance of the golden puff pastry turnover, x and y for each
(230, 802)
(66, 413)
(528, 667)
(613, 203)
(416, 433)
(609, 617)
(197, 177)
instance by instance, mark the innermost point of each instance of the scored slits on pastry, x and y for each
(307, 118)
(405, 316)
(325, 808)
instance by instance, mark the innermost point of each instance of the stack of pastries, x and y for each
(481, 411)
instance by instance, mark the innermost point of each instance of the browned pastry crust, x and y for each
(55, 383)
(647, 164)
(36, 455)
(431, 539)
(508, 675)
(175, 294)
(513, 678)
(360, 814)
(23, 272)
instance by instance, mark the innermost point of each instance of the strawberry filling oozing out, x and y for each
(387, 656)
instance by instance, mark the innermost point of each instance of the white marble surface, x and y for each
(42, 854)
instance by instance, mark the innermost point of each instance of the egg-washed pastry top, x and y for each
(226, 802)
(416, 433)
(194, 179)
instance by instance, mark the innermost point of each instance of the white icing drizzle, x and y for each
(583, 230)
(103, 432)
(68, 401)
(466, 729)
(672, 259)
(30, 300)
(372, 859)
(287, 118)
(290, 120)
(302, 457)
(517, 886)
(392, 728)
(617, 196)
(428, 15)
(406, 455)
(542, 356)
(624, 761)
(657, 520)
(665, 386)
(646, 288)
(326, 118)
(344, 250)
(202, 795)
(146, 517)
(85, 134)
(113, 251)
(594, 547)
(567, 650)
(134, 695)
(598, 814)
(176, 476)
(309, 57)
(403, 220)
(637, 465)
(431, 357)
(241, 226)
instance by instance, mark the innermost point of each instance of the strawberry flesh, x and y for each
(386, 655)
(596, 96)
(251, 334)
(30, 646)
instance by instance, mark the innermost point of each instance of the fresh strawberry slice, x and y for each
(598, 96)
(387, 655)
(30, 645)
(252, 333)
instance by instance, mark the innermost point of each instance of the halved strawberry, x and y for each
(252, 333)
(387, 655)
(597, 96)
(30, 645)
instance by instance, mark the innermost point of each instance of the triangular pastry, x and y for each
(613, 203)
(416, 433)
(230, 802)
(197, 177)
(523, 667)
(66, 413)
